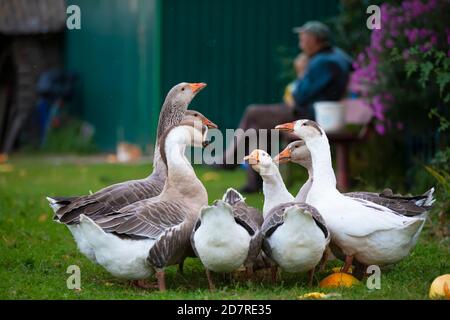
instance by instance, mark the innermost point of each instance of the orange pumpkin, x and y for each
(338, 279)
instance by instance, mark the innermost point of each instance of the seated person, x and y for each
(322, 72)
(328, 71)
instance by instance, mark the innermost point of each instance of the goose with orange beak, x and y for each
(364, 230)
(112, 198)
(195, 116)
(297, 152)
(295, 235)
(275, 192)
(145, 237)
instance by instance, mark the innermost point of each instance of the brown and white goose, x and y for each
(227, 235)
(149, 235)
(68, 209)
(297, 152)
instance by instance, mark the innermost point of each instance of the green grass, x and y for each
(35, 252)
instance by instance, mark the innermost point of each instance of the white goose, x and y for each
(295, 235)
(149, 235)
(407, 205)
(227, 235)
(367, 231)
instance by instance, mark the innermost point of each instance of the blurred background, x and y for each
(98, 89)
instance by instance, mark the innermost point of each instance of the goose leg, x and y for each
(348, 264)
(249, 272)
(143, 284)
(273, 273)
(360, 270)
(211, 285)
(161, 280)
(323, 261)
(311, 277)
(181, 268)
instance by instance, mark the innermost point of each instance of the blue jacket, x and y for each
(325, 79)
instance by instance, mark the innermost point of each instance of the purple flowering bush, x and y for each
(405, 71)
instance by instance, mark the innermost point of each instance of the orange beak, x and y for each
(209, 123)
(283, 157)
(289, 127)
(196, 87)
(252, 158)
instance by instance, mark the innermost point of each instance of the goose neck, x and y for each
(322, 168)
(171, 114)
(181, 175)
(274, 189)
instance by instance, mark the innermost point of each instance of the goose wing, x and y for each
(167, 222)
(144, 219)
(276, 216)
(251, 219)
(402, 205)
(366, 217)
(106, 200)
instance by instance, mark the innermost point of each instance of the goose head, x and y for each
(261, 162)
(195, 134)
(296, 152)
(195, 116)
(305, 129)
(190, 133)
(183, 93)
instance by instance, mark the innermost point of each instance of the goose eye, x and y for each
(182, 89)
(296, 146)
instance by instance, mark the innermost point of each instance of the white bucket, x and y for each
(330, 115)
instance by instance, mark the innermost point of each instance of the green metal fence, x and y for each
(129, 54)
(232, 45)
(116, 56)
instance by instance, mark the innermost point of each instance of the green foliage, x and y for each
(74, 136)
(442, 177)
(349, 27)
(404, 74)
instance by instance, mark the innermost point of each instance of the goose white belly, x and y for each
(298, 244)
(83, 245)
(390, 243)
(381, 247)
(222, 245)
(123, 258)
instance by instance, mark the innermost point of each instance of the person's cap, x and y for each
(316, 28)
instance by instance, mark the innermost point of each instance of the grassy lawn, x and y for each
(35, 252)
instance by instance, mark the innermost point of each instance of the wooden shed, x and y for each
(31, 41)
